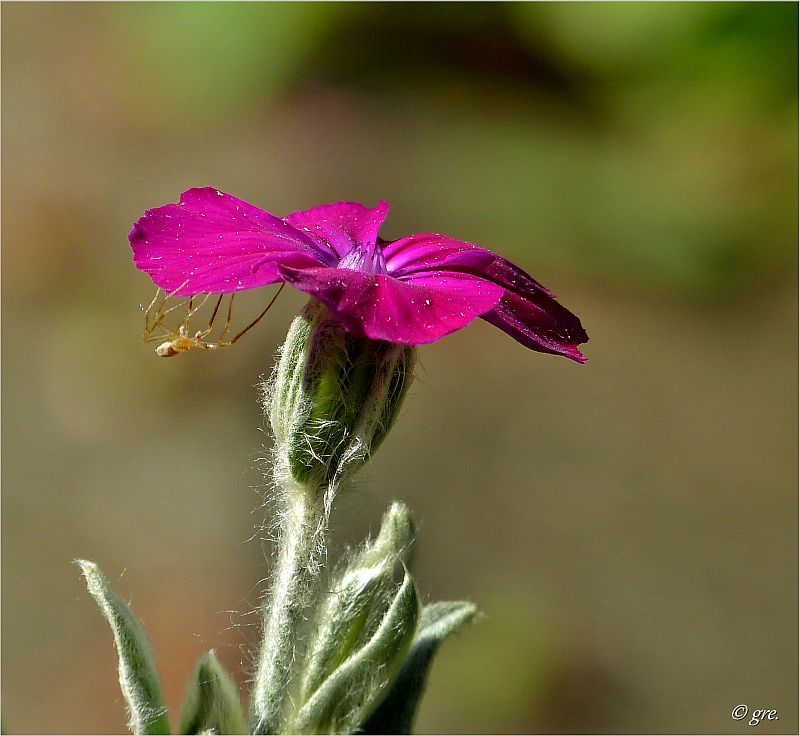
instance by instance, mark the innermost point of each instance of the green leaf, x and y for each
(357, 600)
(397, 711)
(138, 678)
(212, 702)
(396, 537)
(346, 698)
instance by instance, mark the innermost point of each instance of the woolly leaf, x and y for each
(212, 702)
(346, 698)
(357, 599)
(138, 678)
(396, 713)
(396, 537)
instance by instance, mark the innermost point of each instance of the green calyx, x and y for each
(333, 398)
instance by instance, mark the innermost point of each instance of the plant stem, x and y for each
(303, 526)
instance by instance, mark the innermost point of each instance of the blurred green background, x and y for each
(628, 528)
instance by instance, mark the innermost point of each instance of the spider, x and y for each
(181, 340)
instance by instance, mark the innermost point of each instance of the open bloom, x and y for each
(409, 291)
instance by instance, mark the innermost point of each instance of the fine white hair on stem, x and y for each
(330, 401)
(299, 529)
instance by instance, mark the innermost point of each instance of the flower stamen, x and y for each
(366, 258)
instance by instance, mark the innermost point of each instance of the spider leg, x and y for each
(227, 320)
(192, 309)
(148, 330)
(159, 315)
(164, 335)
(161, 312)
(207, 331)
(171, 309)
(260, 316)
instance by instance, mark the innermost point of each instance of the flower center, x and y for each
(365, 257)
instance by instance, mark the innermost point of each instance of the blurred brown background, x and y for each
(628, 528)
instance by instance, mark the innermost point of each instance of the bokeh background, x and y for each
(628, 528)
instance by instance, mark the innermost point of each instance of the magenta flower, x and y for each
(409, 291)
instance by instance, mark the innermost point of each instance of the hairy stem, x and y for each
(303, 525)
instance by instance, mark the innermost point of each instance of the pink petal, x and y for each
(212, 242)
(539, 323)
(383, 308)
(426, 251)
(528, 311)
(341, 226)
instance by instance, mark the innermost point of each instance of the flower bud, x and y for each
(357, 599)
(333, 398)
(350, 694)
